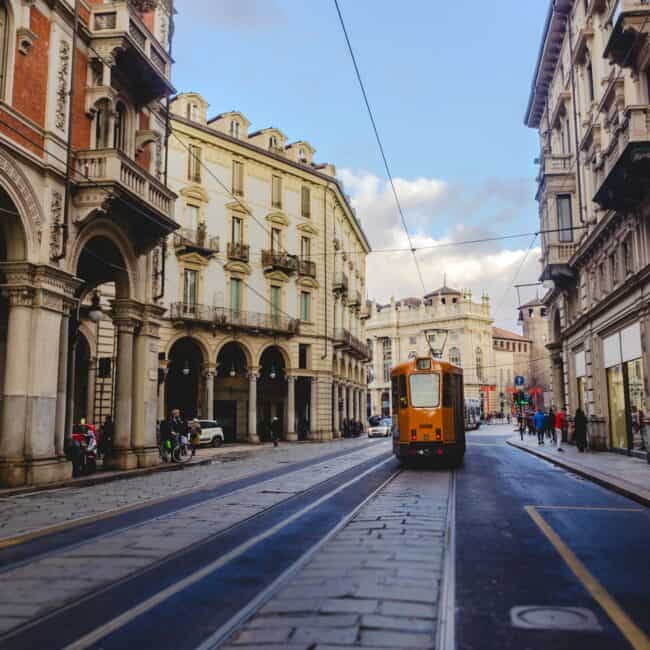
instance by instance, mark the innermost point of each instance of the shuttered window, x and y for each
(305, 202)
(276, 191)
(194, 164)
(237, 177)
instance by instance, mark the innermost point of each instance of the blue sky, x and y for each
(448, 82)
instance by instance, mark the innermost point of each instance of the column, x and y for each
(313, 410)
(122, 456)
(90, 399)
(209, 393)
(161, 393)
(337, 414)
(291, 408)
(62, 384)
(16, 388)
(252, 408)
(344, 396)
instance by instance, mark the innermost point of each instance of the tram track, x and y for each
(235, 559)
(31, 545)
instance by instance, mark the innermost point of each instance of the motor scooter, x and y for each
(82, 450)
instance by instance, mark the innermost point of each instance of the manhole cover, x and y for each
(553, 618)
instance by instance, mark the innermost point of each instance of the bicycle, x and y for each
(182, 452)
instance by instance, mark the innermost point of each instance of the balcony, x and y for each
(355, 299)
(622, 177)
(275, 261)
(238, 252)
(188, 240)
(147, 206)
(344, 341)
(307, 268)
(229, 319)
(341, 283)
(629, 19)
(556, 165)
(118, 33)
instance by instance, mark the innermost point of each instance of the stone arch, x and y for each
(18, 190)
(283, 352)
(104, 228)
(556, 325)
(248, 355)
(196, 338)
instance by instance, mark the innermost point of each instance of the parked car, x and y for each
(374, 420)
(211, 433)
(381, 430)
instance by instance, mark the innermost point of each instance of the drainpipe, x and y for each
(575, 122)
(66, 205)
(326, 353)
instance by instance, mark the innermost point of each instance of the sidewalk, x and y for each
(623, 474)
(204, 456)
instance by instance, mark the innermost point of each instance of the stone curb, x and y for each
(595, 477)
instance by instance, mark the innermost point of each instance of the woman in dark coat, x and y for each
(580, 425)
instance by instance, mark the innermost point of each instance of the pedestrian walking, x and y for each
(560, 423)
(346, 428)
(550, 424)
(540, 421)
(106, 438)
(642, 430)
(275, 430)
(195, 435)
(580, 429)
(522, 425)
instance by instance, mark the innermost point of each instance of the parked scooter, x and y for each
(82, 450)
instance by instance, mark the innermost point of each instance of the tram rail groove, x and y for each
(446, 632)
(180, 497)
(7, 637)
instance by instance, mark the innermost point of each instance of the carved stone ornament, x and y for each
(26, 39)
(19, 296)
(144, 6)
(62, 85)
(56, 211)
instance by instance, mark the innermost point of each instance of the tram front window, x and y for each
(425, 391)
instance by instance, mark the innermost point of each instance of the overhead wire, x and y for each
(380, 144)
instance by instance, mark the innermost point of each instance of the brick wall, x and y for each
(81, 123)
(30, 76)
(143, 158)
(32, 140)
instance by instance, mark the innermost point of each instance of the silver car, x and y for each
(381, 430)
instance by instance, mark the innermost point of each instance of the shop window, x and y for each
(304, 351)
(194, 164)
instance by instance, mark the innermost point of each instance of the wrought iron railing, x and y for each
(341, 282)
(280, 261)
(238, 251)
(307, 268)
(198, 238)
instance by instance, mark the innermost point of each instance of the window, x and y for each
(413, 340)
(305, 248)
(425, 391)
(119, 127)
(590, 80)
(276, 245)
(273, 142)
(628, 259)
(235, 294)
(192, 112)
(276, 191)
(387, 358)
(479, 364)
(194, 164)
(234, 128)
(237, 231)
(602, 277)
(192, 217)
(237, 177)
(613, 269)
(102, 130)
(305, 202)
(454, 356)
(4, 46)
(190, 288)
(275, 301)
(303, 356)
(305, 306)
(403, 398)
(302, 156)
(564, 218)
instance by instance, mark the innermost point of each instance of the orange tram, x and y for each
(428, 411)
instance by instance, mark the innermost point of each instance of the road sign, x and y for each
(519, 380)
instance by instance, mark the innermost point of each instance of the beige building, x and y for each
(263, 282)
(590, 102)
(490, 357)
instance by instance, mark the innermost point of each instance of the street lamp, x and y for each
(95, 313)
(186, 369)
(232, 372)
(272, 374)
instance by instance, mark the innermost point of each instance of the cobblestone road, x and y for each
(36, 511)
(39, 586)
(374, 585)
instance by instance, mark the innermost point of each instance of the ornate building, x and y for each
(590, 102)
(263, 282)
(83, 203)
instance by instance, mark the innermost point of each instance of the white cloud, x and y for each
(233, 14)
(488, 266)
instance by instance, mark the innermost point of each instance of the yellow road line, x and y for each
(636, 637)
(596, 508)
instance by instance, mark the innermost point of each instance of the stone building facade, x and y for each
(263, 282)
(590, 102)
(490, 357)
(83, 202)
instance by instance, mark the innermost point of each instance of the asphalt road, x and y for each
(506, 558)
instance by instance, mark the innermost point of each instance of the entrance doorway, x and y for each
(184, 378)
(225, 413)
